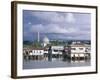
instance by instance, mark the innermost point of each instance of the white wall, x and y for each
(77, 49)
(37, 52)
(5, 43)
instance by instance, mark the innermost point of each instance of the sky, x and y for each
(56, 25)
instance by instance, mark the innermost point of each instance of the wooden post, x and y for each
(84, 57)
(34, 57)
(50, 54)
(78, 57)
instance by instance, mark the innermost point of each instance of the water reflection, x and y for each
(55, 63)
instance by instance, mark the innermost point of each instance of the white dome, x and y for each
(46, 40)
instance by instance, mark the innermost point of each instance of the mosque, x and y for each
(45, 41)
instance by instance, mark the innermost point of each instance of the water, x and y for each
(31, 64)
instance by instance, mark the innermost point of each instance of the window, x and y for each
(73, 48)
(80, 48)
(34, 51)
(60, 50)
(87, 49)
(55, 50)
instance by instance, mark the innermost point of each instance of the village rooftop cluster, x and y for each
(57, 50)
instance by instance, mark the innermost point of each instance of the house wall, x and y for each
(78, 49)
(57, 49)
(37, 52)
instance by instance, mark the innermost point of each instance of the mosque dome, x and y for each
(46, 40)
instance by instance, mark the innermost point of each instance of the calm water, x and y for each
(31, 64)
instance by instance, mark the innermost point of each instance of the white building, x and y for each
(37, 52)
(75, 50)
(79, 50)
(57, 49)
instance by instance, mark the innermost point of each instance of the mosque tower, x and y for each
(38, 36)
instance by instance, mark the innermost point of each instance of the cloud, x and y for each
(55, 17)
(67, 36)
(58, 32)
(70, 17)
(29, 23)
(66, 25)
(56, 28)
(50, 28)
(47, 16)
(36, 28)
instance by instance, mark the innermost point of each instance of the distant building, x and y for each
(38, 51)
(79, 50)
(57, 49)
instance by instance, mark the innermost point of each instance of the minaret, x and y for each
(38, 36)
